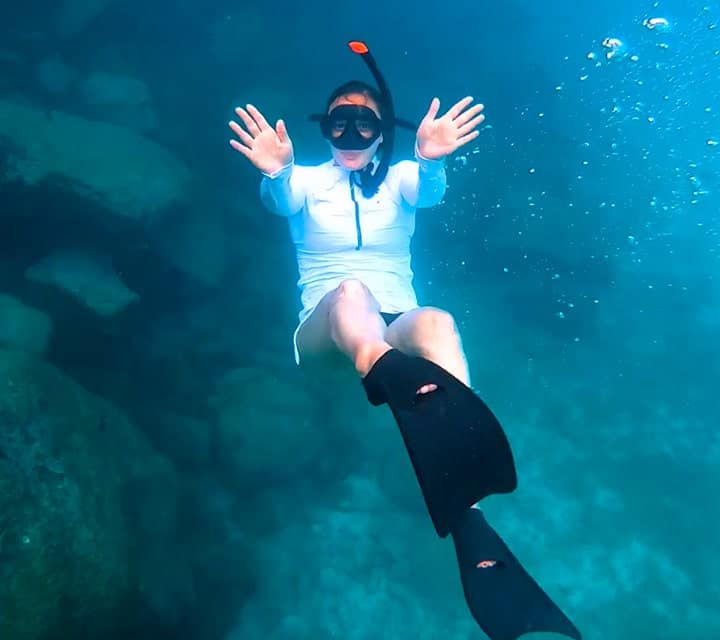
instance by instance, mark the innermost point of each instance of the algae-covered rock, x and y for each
(114, 166)
(55, 76)
(22, 327)
(266, 425)
(76, 15)
(74, 474)
(197, 244)
(88, 278)
(119, 98)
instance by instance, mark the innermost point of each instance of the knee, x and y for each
(351, 292)
(436, 327)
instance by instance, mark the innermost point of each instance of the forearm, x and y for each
(423, 182)
(280, 193)
(431, 181)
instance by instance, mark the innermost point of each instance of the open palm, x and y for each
(439, 137)
(268, 148)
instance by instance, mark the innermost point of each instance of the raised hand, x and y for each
(438, 137)
(268, 148)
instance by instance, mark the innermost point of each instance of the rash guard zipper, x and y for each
(358, 228)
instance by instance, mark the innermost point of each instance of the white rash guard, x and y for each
(333, 244)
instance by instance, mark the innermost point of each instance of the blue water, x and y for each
(577, 247)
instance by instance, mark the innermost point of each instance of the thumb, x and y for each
(282, 131)
(433, 110)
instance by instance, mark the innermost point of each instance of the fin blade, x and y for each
(457, 447)
(502, 596)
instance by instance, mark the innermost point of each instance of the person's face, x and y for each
(355, 160)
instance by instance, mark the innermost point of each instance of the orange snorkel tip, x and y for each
(359, 47)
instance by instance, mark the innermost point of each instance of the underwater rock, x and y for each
(359, 575)
(75, 15)
(23, 328)
(10, 58)
(121, 99)
(70, 467)
(185, 440)
(265, 426)
(55, 76)
(114, 166)
(195, 244)
(87, 278)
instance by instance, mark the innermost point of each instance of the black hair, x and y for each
(363, 88)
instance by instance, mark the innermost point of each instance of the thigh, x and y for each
(409, 332)
(313, 335)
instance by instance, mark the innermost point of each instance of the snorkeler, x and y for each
(351, 220)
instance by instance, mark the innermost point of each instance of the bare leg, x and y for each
(347, 320)
(430, 333)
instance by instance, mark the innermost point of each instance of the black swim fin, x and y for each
(457, 447)
(503, 598)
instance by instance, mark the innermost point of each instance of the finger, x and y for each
(465, 116)
(241, 133)
(455, 110)
(241, 148)
(282, 131)
(467, 138)
(466, 128)
(432, 110)
(258, 117)
(248, 121)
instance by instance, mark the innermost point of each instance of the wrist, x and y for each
(279, 172)
(428, 163)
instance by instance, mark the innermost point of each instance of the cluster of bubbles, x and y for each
(640, 109)
(667, 81)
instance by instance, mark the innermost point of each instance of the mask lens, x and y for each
(338, 126)
(365, 128)
(351, 127)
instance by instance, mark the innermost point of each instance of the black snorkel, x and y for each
(371, 180)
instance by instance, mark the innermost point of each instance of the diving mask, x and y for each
(351, 127)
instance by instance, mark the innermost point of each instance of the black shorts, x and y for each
(389, 317)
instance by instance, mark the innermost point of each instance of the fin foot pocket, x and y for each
(457, 447)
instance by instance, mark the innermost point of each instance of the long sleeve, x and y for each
(283, 192)
(423, 184)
